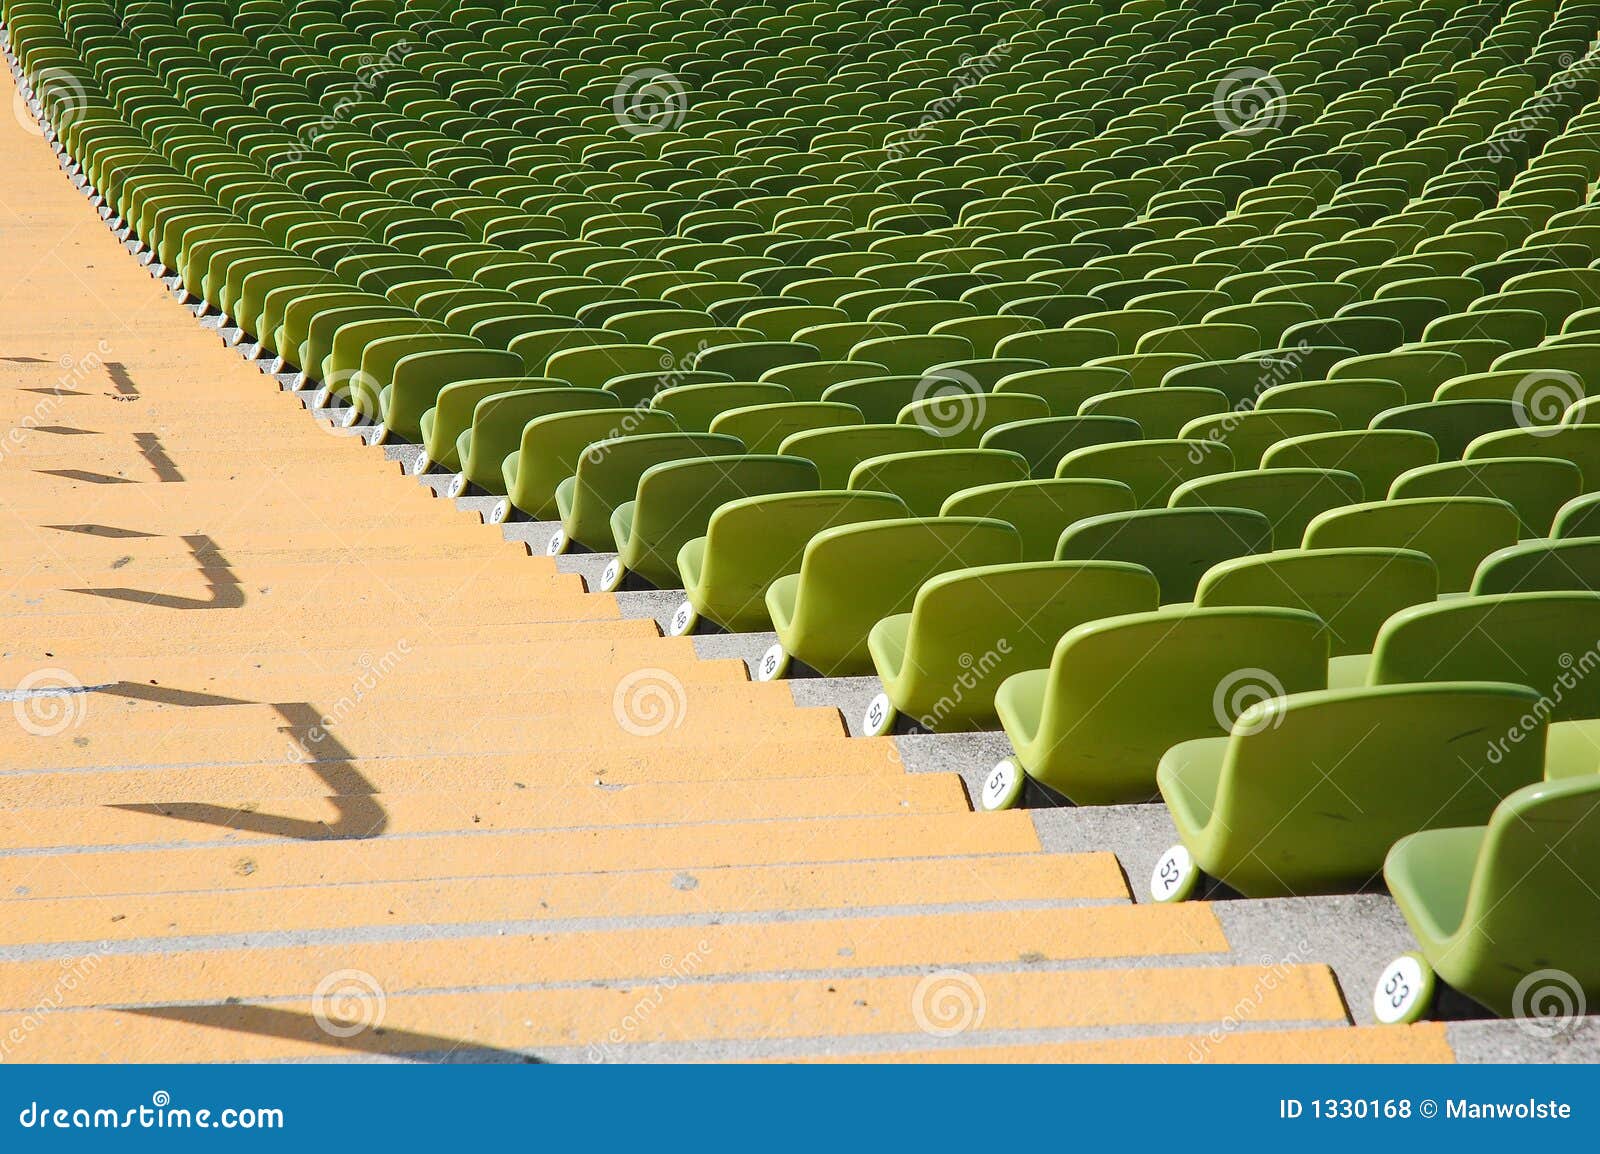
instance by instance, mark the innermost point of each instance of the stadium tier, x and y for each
(848, 529)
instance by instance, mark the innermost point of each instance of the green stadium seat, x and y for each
(970, 629)
(1353, 590)
(853, 576)
(1456, 532)
(674, 502)
(1500, 904)
(1178, 545)
(1310, 789)
(1121, 691)
(750, 542)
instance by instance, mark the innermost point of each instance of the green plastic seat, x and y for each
(497, 423)
(695, 407)
(970, 629)
(1579, 517)
(419, 378)
(1288, 498)
(1251, 433)
(1121, 691)
(1177, 545)
(608, 475)
(1453, 425)
(1376, 456)
(1065, 389)
(837, 451)
(961, 416)
(674, 502)
(552, 446)
(1542, 565)
(1536, 487)
(451, 415)
(853, 576)
(1162, 411)
(1525, 638)
(1040, 509)
(1045, 441)
(1152, 469)
(1501, 909)
(1353, 590)
(764, 427)
(924, 478)
(1579, 444)
(1310, 789)
(1456, 532)
(750, 542)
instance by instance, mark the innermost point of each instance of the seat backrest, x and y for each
(1152, 469)
(694, 407)
(553, 446)
(1376, 456)
(1177, 545)
(1579, 444)
(1543, 640)
(1316, 787)
(763, 427)
(838, 451)
(1288, 498)
(1162, 411)
(1128, 688)
(1353, 590)
(1454, 424)
(1040, 509)
(1532, 891)
(1456, 532)
(1568, 563)
(783, 524)
(1536, 487)
(923, 479)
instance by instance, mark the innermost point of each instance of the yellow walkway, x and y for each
(299, 763)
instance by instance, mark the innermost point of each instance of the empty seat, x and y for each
(1310, 789)
(970, 629)
(674, 501)
(750, 542)
(1178, 545)
(1456, 532)
(1120, 692)
(852, 577)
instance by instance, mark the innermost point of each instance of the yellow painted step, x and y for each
(549, 851)
(603, 1022)
(194, 820)
(850, 885)
(732, 762)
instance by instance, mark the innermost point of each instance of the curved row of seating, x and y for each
(1058, 364)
